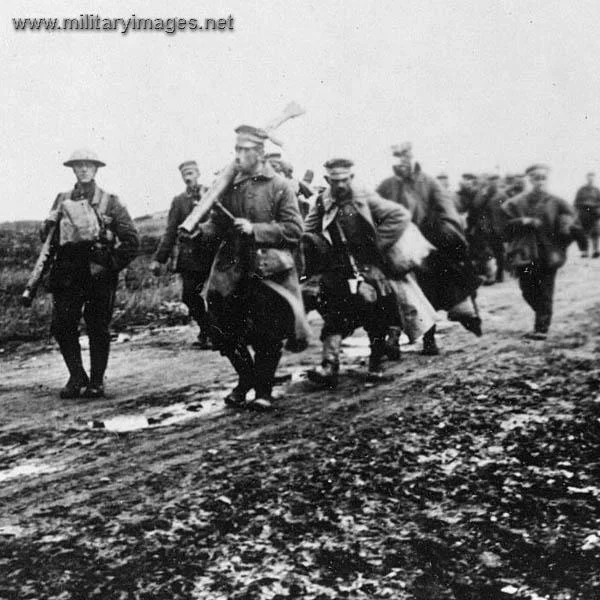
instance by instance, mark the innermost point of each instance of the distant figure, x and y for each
(94, 238)
(194, 257)
(275, 160)
(587, 205)
(444, 181)
(465, 196)
(301, 189)
(485, 231)
(514, 184)
(538, 227)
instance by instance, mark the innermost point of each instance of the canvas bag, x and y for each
(80, 221)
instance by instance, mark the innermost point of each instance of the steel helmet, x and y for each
(84, 155)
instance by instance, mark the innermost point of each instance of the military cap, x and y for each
(400, 149)
(442, 176)
(339, 168)
(536, 167)
(591, 174)
(273, 156)
(249, 136)
(493, 177)
(84, 155)
(188, 164)
(469, 176)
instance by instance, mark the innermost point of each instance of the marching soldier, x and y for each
(351, 234)
(465, 196)
(194, 258)
(587, 205)
(538, 227)
(444, 182)
(302, 191)
(94, 238)
(485, 232)
(514, 184)
(275, 160)
(253, 292)
(448, 278)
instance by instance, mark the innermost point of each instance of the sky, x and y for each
(487, 85)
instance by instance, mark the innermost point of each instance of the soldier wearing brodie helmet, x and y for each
(93, 239)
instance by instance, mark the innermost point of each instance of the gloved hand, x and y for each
(155, 268)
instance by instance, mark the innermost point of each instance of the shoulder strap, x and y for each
(103, 204)
(55, 211)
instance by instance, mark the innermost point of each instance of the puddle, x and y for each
(158, 417)
(27, 470)
(122, 423)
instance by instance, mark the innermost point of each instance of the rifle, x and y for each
(39, 269)
(228, 173)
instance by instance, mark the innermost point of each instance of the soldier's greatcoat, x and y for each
(268, 201)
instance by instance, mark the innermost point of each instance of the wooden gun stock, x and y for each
(228, 173)
(39, 269)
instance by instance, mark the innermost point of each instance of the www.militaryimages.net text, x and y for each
(94, 22)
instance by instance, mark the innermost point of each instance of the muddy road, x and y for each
(471, 475)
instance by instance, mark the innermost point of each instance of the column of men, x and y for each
(385, 259)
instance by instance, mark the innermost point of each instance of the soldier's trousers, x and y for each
(537, 286)
(93, 298)
(590, 225)
(192, 282)
(497, 248)
(343, 312)
(257, 317)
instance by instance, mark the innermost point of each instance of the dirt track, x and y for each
(194, 502)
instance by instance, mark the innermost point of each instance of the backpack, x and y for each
(81, 221)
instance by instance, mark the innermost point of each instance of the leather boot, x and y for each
(326, 375)
(78, 379)
(542, 323)
(265, 365)
(467, 314)
(99, 351)
(378, 348)
(392, 343)
(430, 347)
(242, 362)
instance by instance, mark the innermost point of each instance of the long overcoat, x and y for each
(268, 201)
(543, 241)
